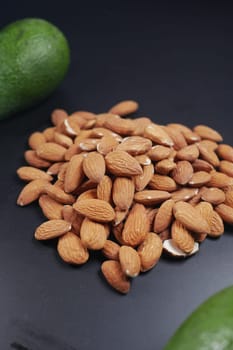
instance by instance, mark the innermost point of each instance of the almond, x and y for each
(164, 215)
(51, 151)
(107, 144)
(150, 251)
(165, 166)
(208, 133)
(36, 139)
(211, 145)
(92, 234)
(28, 173)
(213, 195)
(164, 235)
(143, 159)
(74, 173)
(58, 116)
(62, 140)
(172, 249)
(226, 213)
(151, 197)
(206, 211)
(159, 152)
(120, 216)
(202, 165)
(32, 159)
(111, 250)
(71, 215)
(114, 275)
(199, 179)
(50, 208)
(229, 197)
(55, 168)
(177, 137)
(123, 192)
(104, 189)
(135, 145)
(157, 134)
(94, 166)
(182, 237)
(71, 249)
(189, 153)
(51, 229)
(71, 125)
(130, 261)
(88, 145)
(117, 232)
(191, 137)
(185, 214)
(95, 209)
(183, 172)
(139, 126)
(225, 152)
(226, 167)
(136, 226)
(180, 127)
(124, 107)
(31, 192)
(119, 125)
(162, 183)
(219, 180)
(88, 194)
(62, 172)
(71, 151)
(184, 194)
(208, 155)
(141, 181)
(49, 134)
(123, 164)
(58, 194)
(216, 225)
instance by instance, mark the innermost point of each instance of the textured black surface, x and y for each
(176, 60)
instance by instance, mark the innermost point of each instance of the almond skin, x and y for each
(58, 116)
(184, 194)
(31, 192)
(208, 155)
(164, 166)
(123, 192)
(130, 261)
(107, 144)
(28, 173)
(119, 125)
(71, 249)
(124, 107)
(114, 275)
(164, 216)
(216, 225)
(150, 251)
(92, 234)
(95, 209)
(51, 229)
(122, 164)
(159, 152)
(226, 167)
(219, 180)
(50, 208)
(199, 179)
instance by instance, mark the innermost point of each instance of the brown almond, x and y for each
(74, 173)
(165, 166)
(114, 275)
(71, 215)
(182, 237)
(71, 125)
(199, 179)
(117, 233)
(51, 151)
(50, 208)
(189, 153)
(211, 145)
(143, 159)
(159, 152)
(139, 125)
(32, 159)
(164, 216)
(71, 249)
(28, 173)
(150, 251)
(122, 164)
(151, 197)
(130, 261)
(225, 152)
(49, 134)
(141, 181)
(62, 140)
(104, 189)
(124, 107)
(123, 192)
(190, 217)
(229, 197)
(36, 139)
(164, 235)
(95, 209)
(94, 166)
(88, 194)
(208, 133)
(183, 172)
(31, 192)
(181, 127)
(213, 195)
(107, 144)
(191, 137)
(157, 134)
(226, 167)
(184, 194)
(88, 145)
(55, 168)
(119, 125)
(111, 250)
(202, 165)
(92, 234)
(208, 155)
(71, 151)
(58, 116)
(51, 229)
(226, 213)
(135, 145)
(59, 195)
(162, 183)
(62, 172)
(120, 216)
(219, 180)
(216, 225)
(205, 209)
(177, 137)
(136, 226)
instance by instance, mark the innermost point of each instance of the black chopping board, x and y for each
(176, 60)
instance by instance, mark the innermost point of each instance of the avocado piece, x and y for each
(209, 327)
(34, 59)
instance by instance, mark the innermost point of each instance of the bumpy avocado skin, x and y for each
(209, 327)
(34, 58)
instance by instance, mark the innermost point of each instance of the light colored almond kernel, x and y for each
(111, 250)
(51, 229)
(124, 107)
(36, 139)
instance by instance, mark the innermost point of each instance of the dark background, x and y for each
(176, 59)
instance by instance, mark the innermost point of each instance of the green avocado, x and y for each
(209, 327)
(34, 58)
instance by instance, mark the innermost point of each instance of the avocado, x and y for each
(34, 59)
(209, 327)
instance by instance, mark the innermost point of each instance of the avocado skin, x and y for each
(34, 58)
(209, 327)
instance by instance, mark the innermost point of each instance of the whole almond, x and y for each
(151, 197)
(181, 127)
(111, 250)
(88, 145)
(177, 137)
(183, 172)
(189, 153)
(164, 215)
(58, 116)
(164, 166)
(32, 159)
(159, 152)
(124, 107)
(122, 164)
(31, 192)
(205, 209)
(202, 165)
(141, 181)
(190, 217)
(71, 151)
(208, 133)
(119, 125)
(114, 275)
(191, 137)
(184, 194)
(229, 197)
(199, 179)
(213, 195)
(225, 152)
(123, 192)
(28, 173)
(182, 237)
(130, 261)
(211, 145)
(88, 194)
(140, 125)
(136, 226)
(94, 166)
(54, 168)
(71, 249)
(150, 251)
(71, 125)
(208, 155)
(71, 215)
(219, 180)
(50, 208)
(62, 139)
(36, 139)
(162, 183)
(59, 195)
(104, 189)
(143, 159)
(120, 215)
(226, 167)
(135, 145)
(49, 134)
(74, 173)
(157, 134)
(107, 144)
(92, 234)
(216, 225)
(226, 213)
(51, 151)
(51, 229)
(95, 209)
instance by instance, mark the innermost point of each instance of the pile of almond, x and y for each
(130, 188)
